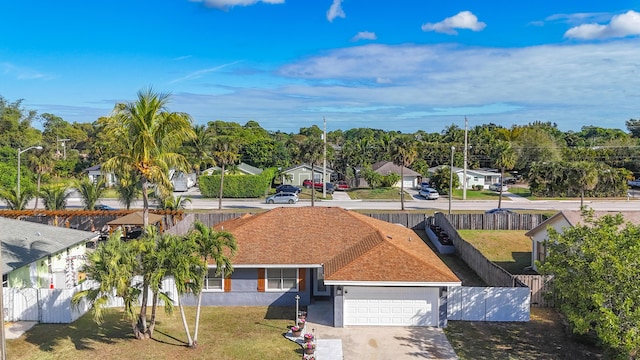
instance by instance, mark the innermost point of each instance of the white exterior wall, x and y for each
(539, 237)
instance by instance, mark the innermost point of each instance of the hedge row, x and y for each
(236, 186)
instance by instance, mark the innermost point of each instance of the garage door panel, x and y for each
(390, 306)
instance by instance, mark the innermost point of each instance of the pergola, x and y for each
(135, 219)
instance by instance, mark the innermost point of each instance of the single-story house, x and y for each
(241, 168)
(42, 256)
(411, 179)
(371, 271)
(95, 173)
(559, 222)
(475, 177)
(295, 175)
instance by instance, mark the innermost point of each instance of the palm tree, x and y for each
(199, 146)
(584, 175)
(225, 152)
(55, 197)
(16, 201)
(112, 266)
(150, 134)
(213, 246)
(505, 159)
(403, 153)
(40, 164)
(311, 152)
(90, 192)
(128, 188)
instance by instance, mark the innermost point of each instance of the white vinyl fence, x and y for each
(488, 303)
(53, 306)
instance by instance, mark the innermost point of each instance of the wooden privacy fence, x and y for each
(488, 271)
(504, 221)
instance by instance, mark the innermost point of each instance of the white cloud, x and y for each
(199, 73)
(462, 20)
(22, 73)
(364, 35)
(227, 4)
(335, 11)
(627, 24)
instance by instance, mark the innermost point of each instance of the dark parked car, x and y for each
(288, 188)
(103, 207)
(499, 211)
(330, 187)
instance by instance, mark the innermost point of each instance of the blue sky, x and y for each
(403, 65)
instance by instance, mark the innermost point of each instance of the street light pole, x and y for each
(20, 152)
(453, 148)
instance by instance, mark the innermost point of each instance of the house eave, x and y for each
(392, 283)
(279, 266)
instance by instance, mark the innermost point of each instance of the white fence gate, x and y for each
(488, 303)
(53, 306)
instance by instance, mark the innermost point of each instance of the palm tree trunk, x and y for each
(38, 192)
(145, 204)
(221, 185)
(141, 331)
(184, 323)
(500, 195)
(195, 332)
(152, 321)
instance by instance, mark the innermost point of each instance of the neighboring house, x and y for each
(297, 174)
(242, 168)
(42, 256)
(95, 173)
(483, 178)
(372, 272)
(559, 222)
(411, 178)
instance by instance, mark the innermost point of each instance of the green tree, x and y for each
(90, 192)
(441, 180)
(403, 152)
(595, 270)
(17, 201)
(40, 164)
(225, 152)
(505, 160)
(311, 151)
(584, 176)
(128, 187)
(214, 246)
(372, 178)
(151, 135)
(55, 197)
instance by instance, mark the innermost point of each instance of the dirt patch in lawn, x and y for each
(544, 337)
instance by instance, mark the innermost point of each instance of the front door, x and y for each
(319, 288)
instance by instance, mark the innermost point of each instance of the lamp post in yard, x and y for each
(38, 147)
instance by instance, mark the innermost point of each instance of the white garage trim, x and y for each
(396, 306)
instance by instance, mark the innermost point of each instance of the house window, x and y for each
(282, 279)
(213, 282)
(542, 251)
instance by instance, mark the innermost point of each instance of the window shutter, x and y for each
(302, 279)
(227, 284)
(261, 286)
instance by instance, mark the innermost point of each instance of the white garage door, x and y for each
(391, 306)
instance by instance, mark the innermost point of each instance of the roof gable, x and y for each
(385, 167)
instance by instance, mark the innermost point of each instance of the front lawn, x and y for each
(510, 249)
(225, 333)
(377, 194)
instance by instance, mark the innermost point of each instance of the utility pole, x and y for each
(64, 147)
(464, 171)
(324, 159)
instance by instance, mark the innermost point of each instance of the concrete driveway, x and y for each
(380, 342)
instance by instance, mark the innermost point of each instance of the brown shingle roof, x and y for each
(352, 246)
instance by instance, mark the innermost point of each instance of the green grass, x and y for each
(225, 333)
(377, 194)
(510, 249)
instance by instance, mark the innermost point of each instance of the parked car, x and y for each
(424, 185)
(282, 198)
(496, 187)
(429, 193)
(288, 188)
(103, 207)
(499, 211)
(342, 185)
(309, 184)
(330, 187)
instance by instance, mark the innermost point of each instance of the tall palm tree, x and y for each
(311, 152)
(151, 135)
(40, 164)
(199, 147)
(55, 197)
(403, 152)
(17, 201)
(505, 159)
(225, 152)
(218, 247)
(90, 192)
(584, 175)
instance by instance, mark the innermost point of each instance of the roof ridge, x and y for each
(353, 252)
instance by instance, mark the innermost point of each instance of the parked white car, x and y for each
(282, 198)
(496, 187)
(429, 193)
